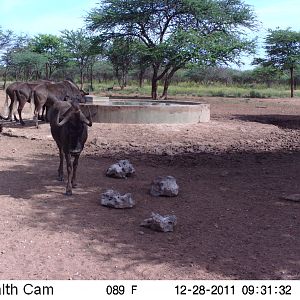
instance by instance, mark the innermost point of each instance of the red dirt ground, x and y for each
(232, 222)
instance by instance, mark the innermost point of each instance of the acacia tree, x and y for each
(53, 48)
(15, 44)
(142, 61)
(28, 64)
(125, 54)
(266, 74)
(81, 48)
(121, 54)
(283, 52)
(176, 32)
(6, 38)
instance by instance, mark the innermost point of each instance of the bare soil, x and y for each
(232, 220)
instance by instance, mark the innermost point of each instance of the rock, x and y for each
(121, 169)
(160, 223)
(292, 197)
(164, 186)
(114, 199)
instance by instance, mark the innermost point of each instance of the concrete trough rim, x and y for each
(108, 102)
(181, 112)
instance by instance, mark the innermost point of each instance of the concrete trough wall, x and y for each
(148, 114)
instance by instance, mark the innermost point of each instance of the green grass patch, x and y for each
(198, 90)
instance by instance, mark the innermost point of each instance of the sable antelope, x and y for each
(69, 130)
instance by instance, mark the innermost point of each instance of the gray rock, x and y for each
(121, 169)
(292, 197)
(160, 223)
(114, 199)
(164, 186)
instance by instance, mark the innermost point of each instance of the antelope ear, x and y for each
(83, 93)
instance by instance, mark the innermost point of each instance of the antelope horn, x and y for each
(65, 119)
(86, 120)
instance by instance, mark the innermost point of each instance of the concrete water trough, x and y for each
(133, 111)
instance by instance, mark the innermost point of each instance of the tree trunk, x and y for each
(5, 78)
(154, 83)
(166, 87)
(124, 79)
(47, 71)
(292, 81)
(120, 77)
(167, 81)
(81, 78)
(141, 77)
(91, 77)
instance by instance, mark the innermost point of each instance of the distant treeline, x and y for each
(103, 72)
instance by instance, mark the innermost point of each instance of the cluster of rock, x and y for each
(161, 186)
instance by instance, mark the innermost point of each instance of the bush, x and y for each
(255, 94)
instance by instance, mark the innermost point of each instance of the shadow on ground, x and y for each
(282, 121)
(231, 221)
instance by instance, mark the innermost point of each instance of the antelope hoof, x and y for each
(68, 192)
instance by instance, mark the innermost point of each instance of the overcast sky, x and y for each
(52, 16)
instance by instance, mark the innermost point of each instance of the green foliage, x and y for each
(121, 55)
(5, 38)
(176, 33)
(207, 75)
(192, 89)
(283, 48)
(283, 52)
(80, 45)
(28, 64)
(81, 48)
(103, 71)
(266, 74)
(52, 47)
(45, 43)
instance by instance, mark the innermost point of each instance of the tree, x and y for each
(121, 55)
(28, 64)
(103, 71)
(81, 48)
(266, 74)
(5, 38)
(283, 52)
(142, 61)
(175, 32)
(53, 48)
(14, 44)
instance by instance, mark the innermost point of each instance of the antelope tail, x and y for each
(6, 106)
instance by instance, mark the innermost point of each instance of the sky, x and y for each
(44, 16)
(52, 16)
